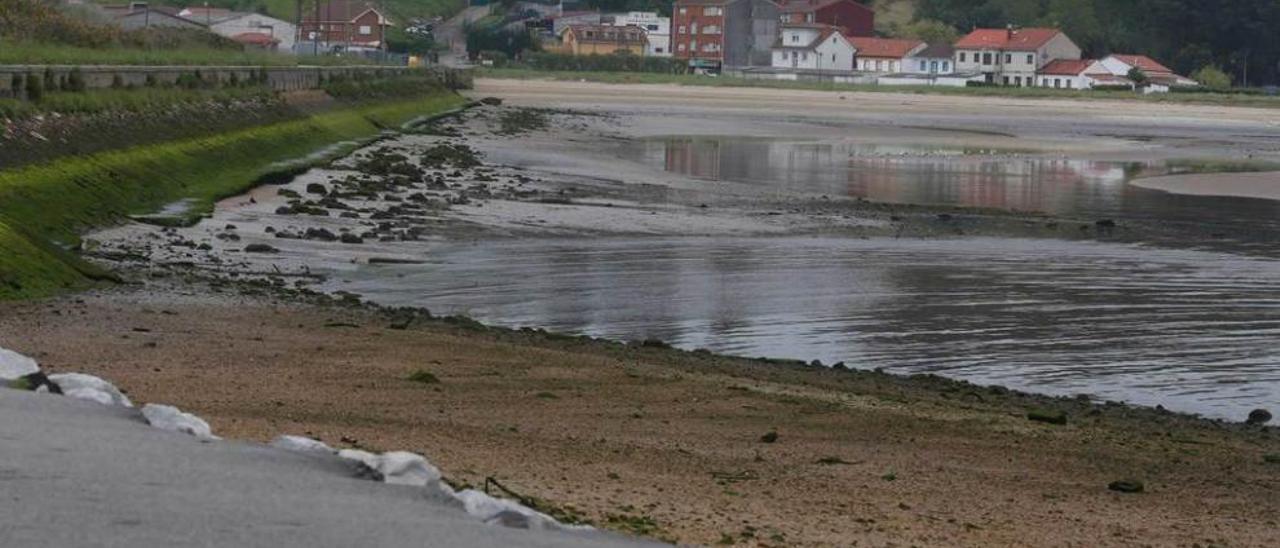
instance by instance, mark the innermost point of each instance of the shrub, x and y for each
(1212, 77)
(35, 87)
(603, 63)
(75, 81)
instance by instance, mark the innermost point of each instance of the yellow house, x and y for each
(601, 39)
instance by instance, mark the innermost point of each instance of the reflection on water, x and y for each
(1193, 331)
(975, 177)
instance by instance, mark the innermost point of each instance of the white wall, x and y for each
(1063, 82)
(880, 65)
(834, 53)
(658, 30)
(283, 31)
(932, 65)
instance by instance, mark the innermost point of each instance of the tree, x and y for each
(931, 31)
(1138, 76)
(1211, 77)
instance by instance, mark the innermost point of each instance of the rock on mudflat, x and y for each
(14, 366)
(168, 417)
(1258, 416)
(397, 467)
(89, 387)
(496, 511)
(299, 444)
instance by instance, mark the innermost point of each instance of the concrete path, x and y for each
(76, 473)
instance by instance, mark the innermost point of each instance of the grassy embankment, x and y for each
(56, 201)
(1223, 99)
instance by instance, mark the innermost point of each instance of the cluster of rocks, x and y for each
(396, 198)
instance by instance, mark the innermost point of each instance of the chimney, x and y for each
(1009, 31)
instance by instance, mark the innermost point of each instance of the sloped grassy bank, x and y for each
(44, 208)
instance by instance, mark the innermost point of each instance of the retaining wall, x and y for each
(12, 77)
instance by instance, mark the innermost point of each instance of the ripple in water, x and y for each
(1193, 331)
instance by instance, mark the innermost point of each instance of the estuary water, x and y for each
(1193, 331)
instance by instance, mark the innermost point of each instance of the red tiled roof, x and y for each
(1147, 64)
(1004, 39)
(1067, 67)
(895, 48)
(255, 39)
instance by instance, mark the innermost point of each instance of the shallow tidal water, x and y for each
(1016, 180)
(1193, 331)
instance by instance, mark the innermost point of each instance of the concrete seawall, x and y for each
(13, 77)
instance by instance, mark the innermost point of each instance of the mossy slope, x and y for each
(44, 208)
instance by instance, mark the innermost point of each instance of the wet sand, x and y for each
(1263, 185)
(668, 443)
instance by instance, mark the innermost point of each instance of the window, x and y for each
(946, 66)
(795, 37)
(962, 57)
(684, 11)
(680, 47)
(1070, 84)
(986, 59)
(804, 56)
(712, 11)
(879, 65)
(657, 50)
(933, 66)
(1008, 58)
(366, 30)
(1057, 82)
(710, 29)
(1006, 80)
(808, 17)
(1031, 58)
(682, 30)
(833, 57)
(924, 65)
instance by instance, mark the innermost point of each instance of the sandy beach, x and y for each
(667, 443)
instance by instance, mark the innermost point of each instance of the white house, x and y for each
(1067, 74)
(254, 27)
(1012, 57)
(1161, 78)
(885, 55)
(934, 59)
(656, 27)
(812, 47)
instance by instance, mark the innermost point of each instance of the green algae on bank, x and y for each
(55, 202)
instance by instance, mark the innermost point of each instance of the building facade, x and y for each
(603, 40)
(657, 30)
(1012, 57)
(251, 27)
(853, 18)
(813, 47)
(933, 59)
(716, 34)
(885, 55)
(346, 24)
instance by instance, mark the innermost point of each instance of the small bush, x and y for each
(75, 81)
(423, 376)
(35, 88)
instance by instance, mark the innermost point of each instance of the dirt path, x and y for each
(667, 443)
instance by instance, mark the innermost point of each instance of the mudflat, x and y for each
(676, 445)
